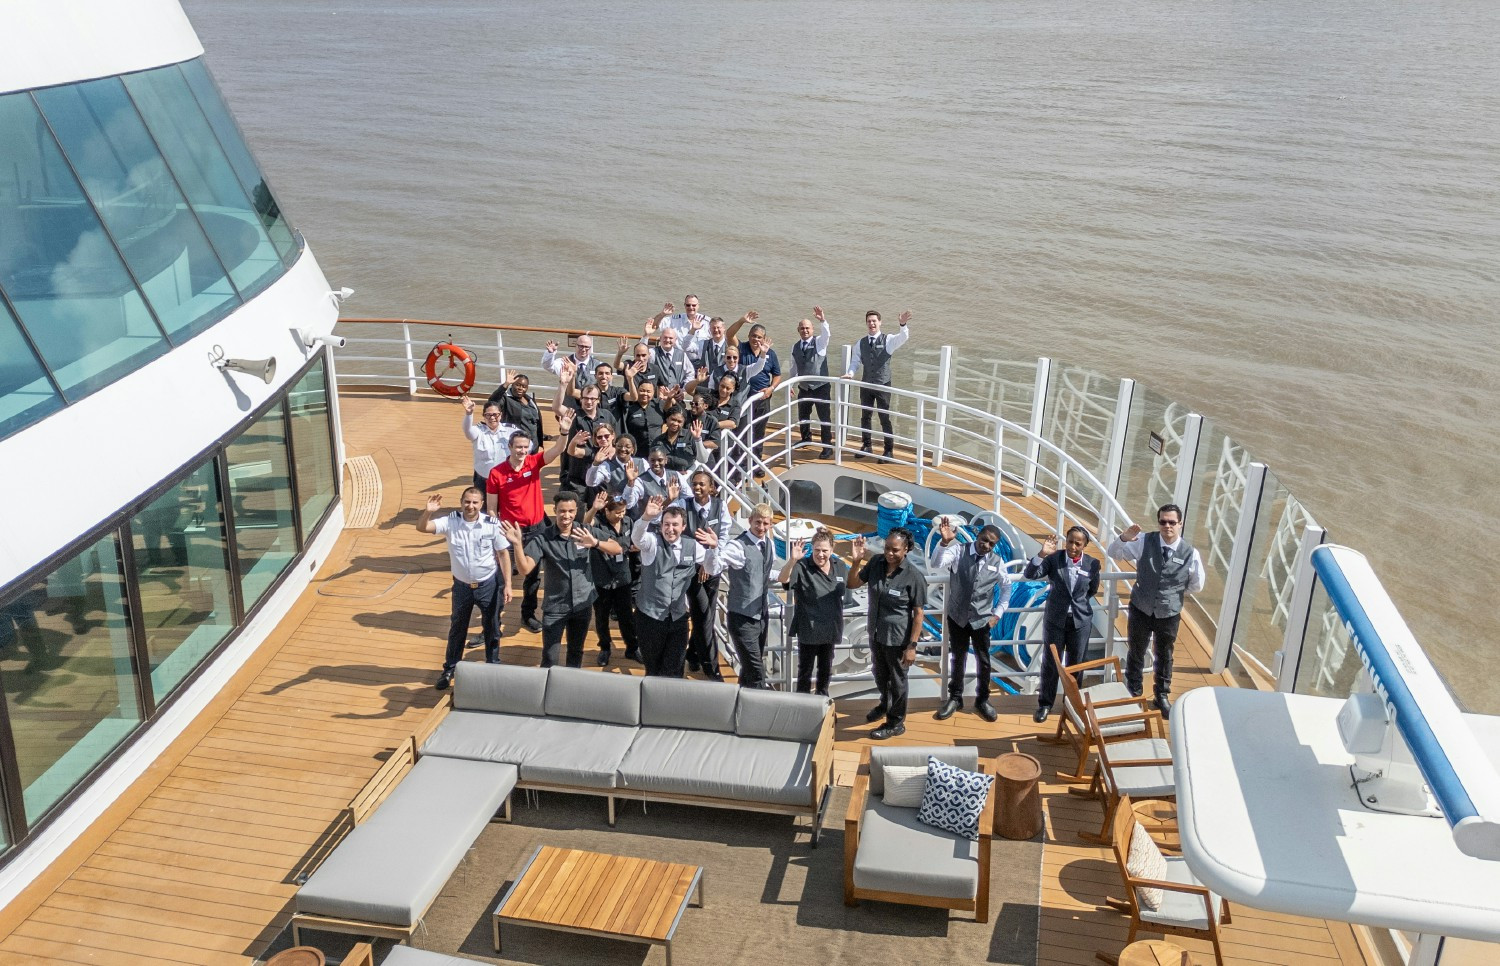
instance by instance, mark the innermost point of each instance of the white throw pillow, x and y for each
(904, 785)
(954, 798)
(1146, 862)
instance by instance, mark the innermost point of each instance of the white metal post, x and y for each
(841, 410)
(330, 373)
(1187, 459)
(1426, 951)
(921, 435)
(1062, 493)
(1038, 404)
(1297, 611)
(500, 356)
(1117, 431)
(411, 362)
(1251, 503)
(945, 391)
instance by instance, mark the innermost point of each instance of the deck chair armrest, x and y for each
(431, 720)
(987, 816)
(1125, 718)
(859, 794)
(1138, 762)
(361, 955)
(1191, 888)
(1111, 661)
(1121, 702)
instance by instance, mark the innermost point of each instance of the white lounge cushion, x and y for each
(549, 751)
(904, 785)
(1142, 781)
(1145, 861)
(679, 703)
(715, 765)
(780, 715)
(897, 853)
(589, 696)
(503, 688)
(1182, 908)
(1098, 693)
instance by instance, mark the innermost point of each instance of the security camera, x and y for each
(339, 295)
(309, 340)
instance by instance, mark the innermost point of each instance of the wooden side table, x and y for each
(1018, 801)
(1149, 952)
(298, 956)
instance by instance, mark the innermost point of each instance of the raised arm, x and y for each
(471, 430)
(825, 333)
(517, 542)
(859, 555)
(740, 323)
(799, 547)
(898, 340)
(434, 506)
(564, 426)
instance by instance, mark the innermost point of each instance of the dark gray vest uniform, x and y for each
(747, 586)
(664, 584)
(876, 358)
(705, 518)
(668, 370)
(711, 356)
(649, 488)
(809, 363)
(1160, 583)
(971, 591)
(585, 374)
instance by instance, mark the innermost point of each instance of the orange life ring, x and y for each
(455, 356)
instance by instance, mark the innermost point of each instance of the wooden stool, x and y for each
(297, 956)
(1018, 802)
(1149, 952)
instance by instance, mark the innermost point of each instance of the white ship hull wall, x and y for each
(49, 42)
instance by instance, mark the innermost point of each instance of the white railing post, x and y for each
(921, 435)
(1251, 503)
(1187, 461)
(1298, 610)
(841, 409)
(500, 356)
(1038, 404)
(1062, 494)
(945, 390)
(411, 362)
(1118, 428)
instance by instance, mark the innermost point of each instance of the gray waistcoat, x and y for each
(1160, 584)
(809, 364)
(669, 370)
(876, 359)
(971, 591)
(664, 584)
(747, 586)
(704, 519)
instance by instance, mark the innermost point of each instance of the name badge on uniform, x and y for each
(894, 592)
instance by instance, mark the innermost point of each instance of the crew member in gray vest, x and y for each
(668, 365)
(1068, 620)
(874, 352)
(580, 362)
(810, 358)
(1166, 568)
(669, 560)
(747, 559)
(973, 609)
(706, 510)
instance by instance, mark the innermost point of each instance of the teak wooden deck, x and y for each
(198, 861)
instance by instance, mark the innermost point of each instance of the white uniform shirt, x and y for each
(892, 343)
(471, 546)
(491, 448)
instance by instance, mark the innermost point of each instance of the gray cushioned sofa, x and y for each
(653, 739)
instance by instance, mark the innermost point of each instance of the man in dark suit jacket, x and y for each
(1068, 619)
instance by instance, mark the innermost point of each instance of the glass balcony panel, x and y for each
(312, 444)
(141, 205)
(193, 153)
(1080, 416)
(260, 488)
(69, 677)
(26, 394)
(59, 269)
(1330, 662)
(182, 562)
(238, 153)
(1147, 478)
(1214, 517)
(1269, 584)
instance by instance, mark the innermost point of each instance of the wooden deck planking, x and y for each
(197, 866)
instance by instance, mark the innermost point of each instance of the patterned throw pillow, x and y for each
(954, 798)
(1145, 861)
(904, 785)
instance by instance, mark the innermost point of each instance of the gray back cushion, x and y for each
(780, 715)
(676, 703)
(959, 756)
(501, 688)
(591, 696)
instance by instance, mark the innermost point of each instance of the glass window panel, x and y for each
(1269, 582)
(260, 487)
(238, 152)
(182, 564)
(1147, 479)
(1214, 518)
(311, 442)
(141, 205)
(26, 394)
(193, 153)
(1330, 662)
(59, 269)
(1080, 417)
(70, 683)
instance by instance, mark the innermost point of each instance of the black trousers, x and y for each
(810, 656)
(961, 640)
(532, 584)
(1141, 628)
(758, 427)
(663, 644)
(1072, 640)
(749, 637)
(701, 597)
(890, 678)
(820, 400)
(576, 627)
(616, 601)
(486, 596)
(480, 483)
(880, 403)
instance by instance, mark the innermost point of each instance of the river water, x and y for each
(1281, 213)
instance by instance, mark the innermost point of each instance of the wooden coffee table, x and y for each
(600, 895)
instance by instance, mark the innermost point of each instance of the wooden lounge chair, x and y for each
(1138, 766)
(1112, 702)
(1186, 906)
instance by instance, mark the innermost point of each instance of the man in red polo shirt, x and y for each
(514, 493)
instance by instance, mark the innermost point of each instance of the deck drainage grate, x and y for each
(365, 490)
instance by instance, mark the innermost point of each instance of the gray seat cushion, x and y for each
(959, 756)
(407, 956)
(1107, 691)
(389, 869)
(1182, 908)
(780, 715)
(678, 703)
(504, 688)
(1142, 781)
(897, 853)
(716, 765)
(589, 696)
(549, 751)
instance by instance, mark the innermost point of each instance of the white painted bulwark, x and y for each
(47, 42)
(95, 457)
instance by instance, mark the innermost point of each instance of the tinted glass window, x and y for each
(26, 395)
(140, 203)
(311, 442)
(260, 487)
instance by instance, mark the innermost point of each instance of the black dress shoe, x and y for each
(603, 660)
(445, 679)
(986, 711)
(864, 451)
(875, 713)
(633, 654)
(474, 642)
(948, 709)
(694, 665)
(1164, 705)
(889, 731)
(1041, 715)
(886, 457)
(827, 453)
(532, 624)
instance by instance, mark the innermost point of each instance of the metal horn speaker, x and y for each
(262, 369)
